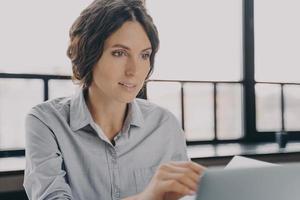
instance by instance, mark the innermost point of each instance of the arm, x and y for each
(44, 177)
(172, 181)
(178, 139)
(175, 179)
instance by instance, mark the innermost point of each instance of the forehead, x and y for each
(130, 34)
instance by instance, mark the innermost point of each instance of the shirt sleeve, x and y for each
(44, 175)
(179, 140)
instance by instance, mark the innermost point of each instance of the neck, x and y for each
(108, 114)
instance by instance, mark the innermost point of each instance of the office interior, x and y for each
(228, 70)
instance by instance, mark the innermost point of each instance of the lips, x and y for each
(127, 84)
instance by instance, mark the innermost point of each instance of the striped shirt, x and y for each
(69, 157)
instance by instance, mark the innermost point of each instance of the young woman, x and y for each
(102, 142)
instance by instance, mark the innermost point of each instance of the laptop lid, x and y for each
(280, 182)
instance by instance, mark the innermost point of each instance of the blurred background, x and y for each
(205, 54)
(229, 70)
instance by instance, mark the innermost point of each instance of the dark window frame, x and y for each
(252, 135)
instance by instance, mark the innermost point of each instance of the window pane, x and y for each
(277, 41)
(199, 113)
(167, 95)
(229, 111)
(34, 35)
(268, 114)
(61, 88)
(198, 39)
(292, 107)
(17, 96)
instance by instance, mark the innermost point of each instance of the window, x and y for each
(277, 61)
(206, 43)
(61, 88)
(34, 35)
(13, 113)
(225, 69)
(33, 64)
(200, 41)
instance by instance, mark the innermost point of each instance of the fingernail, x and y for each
(191, 192)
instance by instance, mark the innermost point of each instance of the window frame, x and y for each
(252, 135)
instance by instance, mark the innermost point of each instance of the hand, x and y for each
(173, 180)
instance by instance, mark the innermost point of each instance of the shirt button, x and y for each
(116, 192)
(112, 151)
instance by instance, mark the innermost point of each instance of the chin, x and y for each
(126, 99)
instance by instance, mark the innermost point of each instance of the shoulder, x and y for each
(152, 111)
(166, 127)
(54, 108)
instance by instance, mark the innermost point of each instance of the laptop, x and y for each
(279, 182)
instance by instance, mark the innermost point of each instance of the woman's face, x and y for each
(124, 65)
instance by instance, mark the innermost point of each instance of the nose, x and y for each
(131, 67)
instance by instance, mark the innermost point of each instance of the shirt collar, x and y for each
(134, 115)
(80, 115)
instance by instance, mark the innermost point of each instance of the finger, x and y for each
(195, 172)
(169, 170)
(177, 187)
(184, 179)
(190, 164)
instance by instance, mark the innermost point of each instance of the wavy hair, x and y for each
(95, 24)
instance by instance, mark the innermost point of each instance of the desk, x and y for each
(11, 174)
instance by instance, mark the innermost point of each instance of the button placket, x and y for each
(115, 171)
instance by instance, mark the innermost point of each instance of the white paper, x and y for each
(243, 162)
(189, 197)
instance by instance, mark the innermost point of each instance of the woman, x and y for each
(102, 143)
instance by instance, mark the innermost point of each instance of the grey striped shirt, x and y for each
(69, 157)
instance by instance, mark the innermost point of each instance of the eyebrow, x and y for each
(125, 47)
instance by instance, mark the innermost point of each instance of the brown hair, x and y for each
(95, 24)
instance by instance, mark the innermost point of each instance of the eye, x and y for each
(118, 53)
(146, 56)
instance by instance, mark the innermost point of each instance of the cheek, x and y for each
(104, 73)
(97, 75)
(107, 68)
(100, 78)
(146, 72)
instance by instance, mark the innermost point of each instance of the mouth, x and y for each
(128, 86)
